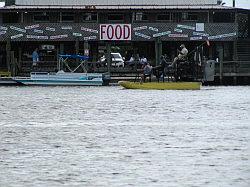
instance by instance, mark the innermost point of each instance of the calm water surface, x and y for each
(109, 136)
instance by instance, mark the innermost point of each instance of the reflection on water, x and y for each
(109, 136)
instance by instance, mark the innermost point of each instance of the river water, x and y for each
(109, 136)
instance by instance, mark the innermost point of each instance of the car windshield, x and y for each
(116, 56)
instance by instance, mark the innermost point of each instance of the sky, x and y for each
(239, 3)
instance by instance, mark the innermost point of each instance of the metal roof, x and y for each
(113, 2)
(120, 7)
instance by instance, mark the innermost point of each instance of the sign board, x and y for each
(86, 52)
(115, 32)
(200, 27)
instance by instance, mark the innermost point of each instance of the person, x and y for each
(181, 56)
(147, 71)
(131, 61)
(143, 61)
(35, 57)
(159, 70)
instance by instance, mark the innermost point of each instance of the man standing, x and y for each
(35, 57)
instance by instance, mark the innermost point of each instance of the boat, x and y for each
(62, 78)
(161, 85)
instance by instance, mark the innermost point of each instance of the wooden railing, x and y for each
(233, 68)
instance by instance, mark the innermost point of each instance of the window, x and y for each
(223, 17)
(90, 17)
(68, 17)
(189, 16)
(115, 17)
(163, 17)
(41, 17)
(139, 16)
(11, 17)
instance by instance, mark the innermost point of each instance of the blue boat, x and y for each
(62, 78)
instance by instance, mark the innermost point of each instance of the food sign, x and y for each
(115, 32)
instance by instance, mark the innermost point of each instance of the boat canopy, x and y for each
(63, 59)
(74, 57)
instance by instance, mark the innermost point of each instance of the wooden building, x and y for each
(149, 28)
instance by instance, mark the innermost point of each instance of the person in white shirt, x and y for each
(181, 56)
(143, 61)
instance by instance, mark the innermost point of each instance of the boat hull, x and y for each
(161, 85)
(62, 79)
(30, 82)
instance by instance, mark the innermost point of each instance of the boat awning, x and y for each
(74, 57)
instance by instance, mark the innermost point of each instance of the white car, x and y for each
(117, 60)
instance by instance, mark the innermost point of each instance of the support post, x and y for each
(59, 62)
(12, 63)
(108, 55)
(221, 72)
(8, 48)
(19, 62)
(77, 46)
(158, 50)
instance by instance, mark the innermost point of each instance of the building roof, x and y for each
(119, 7)
(113, 2)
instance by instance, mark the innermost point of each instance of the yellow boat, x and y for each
(161, 85)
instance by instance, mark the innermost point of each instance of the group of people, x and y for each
(159, 70)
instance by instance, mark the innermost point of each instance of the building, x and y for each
(145, 27)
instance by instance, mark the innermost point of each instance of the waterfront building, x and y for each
(147, 28)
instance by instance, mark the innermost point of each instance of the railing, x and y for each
(233, 68)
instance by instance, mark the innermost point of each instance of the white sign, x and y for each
(86, 52)
(142, 35)
(77, 34)
(3, 28)
(195, 38)
(90, 38)
(178, 30)
(115, 32)
(89, 30)
(153, 29)
(186, 27)
(59, 36)
(38, 31)
(200, 27)
(222, 36)
(200, 34)
(32, 26)
(140, 28)
(18, 29)
(161, 34)
(178, 35)
(16, 36)
(66, 28)
(37, 37)
(50, 29)
(2, 32)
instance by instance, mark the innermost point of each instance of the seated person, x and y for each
(159, 70)
(147, 71)
(143, 61)
(131, 61)
(182, 55)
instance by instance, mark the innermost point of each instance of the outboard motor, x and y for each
(209, 71)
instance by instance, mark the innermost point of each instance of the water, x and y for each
(109, 136)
